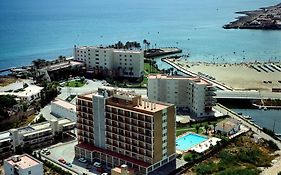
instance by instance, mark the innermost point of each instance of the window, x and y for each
(125, 60)
(125, 55)
(97, 55)
(29, 172)
(131, 56)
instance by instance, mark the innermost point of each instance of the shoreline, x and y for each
(260, 76)
(265, 18)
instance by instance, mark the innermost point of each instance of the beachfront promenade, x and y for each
(247, 95)
(225, 91)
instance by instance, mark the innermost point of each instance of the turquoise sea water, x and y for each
(188, 141)
(33, 29)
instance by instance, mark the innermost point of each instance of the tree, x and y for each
(7, 101)
(214, 125)
(197, 127)
(206, 129)
(145, 44)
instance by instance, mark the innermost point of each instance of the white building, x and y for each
(187, 93)
(126, 63)
(29, 93)
(47, 72)
(63, 109)
(35, 136)
(23, 165)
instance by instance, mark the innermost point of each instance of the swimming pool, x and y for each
(188, 141)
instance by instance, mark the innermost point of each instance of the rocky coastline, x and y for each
(267, 18)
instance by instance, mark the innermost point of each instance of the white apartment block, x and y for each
(28, 94)
(188, 93)
(23, 165)
(125, 63)
(63, 109)
(35, 136)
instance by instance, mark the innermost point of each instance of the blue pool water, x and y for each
(188, 141)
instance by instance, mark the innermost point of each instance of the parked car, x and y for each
(69, 164)
(48, 152)
(82, 159)
(97, 164)
(104, 174)
(44, 151)
(62, 161)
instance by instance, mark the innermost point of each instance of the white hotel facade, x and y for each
(188, 93)
(125, 63)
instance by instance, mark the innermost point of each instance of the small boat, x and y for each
(278, 134)
(252, 120)
(264, 108)
(246, 116)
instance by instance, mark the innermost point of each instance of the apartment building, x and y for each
(29, 94)
(23, 165)
(192, 94)
(35, 136)
(115, 62)
(116, 128)
(63, 109)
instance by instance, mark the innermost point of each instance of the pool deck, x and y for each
(200, 147)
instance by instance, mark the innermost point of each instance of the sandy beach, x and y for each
(239, 76)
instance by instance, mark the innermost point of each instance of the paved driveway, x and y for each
(66, 151)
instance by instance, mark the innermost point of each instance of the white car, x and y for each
(97, 164)
(44, 150)
(82, 159)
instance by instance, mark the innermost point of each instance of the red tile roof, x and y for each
(113, 154)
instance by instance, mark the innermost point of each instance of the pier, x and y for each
(161, 52)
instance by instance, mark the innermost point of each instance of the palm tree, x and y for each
(214, 125)
(145, 43)
(206, 129)
(197, 127)
(148, 45)
(172, 70)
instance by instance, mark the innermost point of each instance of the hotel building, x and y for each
(120, 62)
(187, 93)
(35, 136)
(23, 165)
(116, 128)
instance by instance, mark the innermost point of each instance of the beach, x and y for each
(238, 76)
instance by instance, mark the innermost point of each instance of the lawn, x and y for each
(150, 70)
(75, 83)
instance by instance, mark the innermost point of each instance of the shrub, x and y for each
(272, 145)
(245, 171)
(206, 168)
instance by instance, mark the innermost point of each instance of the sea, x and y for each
(46, 29)
(32, 29)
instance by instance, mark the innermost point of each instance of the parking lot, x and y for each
(66, 151)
